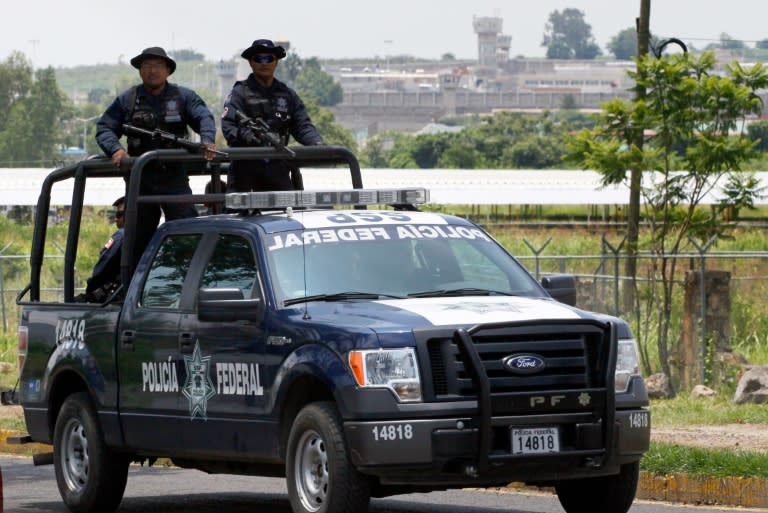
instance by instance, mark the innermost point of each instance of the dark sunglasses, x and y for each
(120, 213)
(263, 59)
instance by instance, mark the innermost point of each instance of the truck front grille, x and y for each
(575, 357)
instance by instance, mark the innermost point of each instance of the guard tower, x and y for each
(448, 84)
(226, 71)
(487, 29)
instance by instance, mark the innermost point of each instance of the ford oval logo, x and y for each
(524, 363)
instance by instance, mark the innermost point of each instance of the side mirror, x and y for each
(562, 287)
(227, 304)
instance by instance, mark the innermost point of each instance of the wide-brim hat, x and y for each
(263, 46)
(153, 52)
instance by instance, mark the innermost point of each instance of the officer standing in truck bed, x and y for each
(155, 104)
(262, 96)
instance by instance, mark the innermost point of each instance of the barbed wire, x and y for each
(718, 40)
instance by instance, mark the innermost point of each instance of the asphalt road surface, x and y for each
(30, 489)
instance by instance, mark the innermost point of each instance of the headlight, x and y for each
(395, 369)
(627, 364)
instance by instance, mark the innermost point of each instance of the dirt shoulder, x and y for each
(10, 412)
(745, 437)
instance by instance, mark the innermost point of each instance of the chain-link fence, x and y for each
(600, 279)
(14, 277)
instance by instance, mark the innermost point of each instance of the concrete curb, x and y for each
(27, 449)
(745, 492)
(680, 488)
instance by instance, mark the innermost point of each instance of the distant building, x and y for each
(226, 71)
(492, 45)
(571, 76)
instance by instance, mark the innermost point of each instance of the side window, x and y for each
(231, 265)
(165, 278)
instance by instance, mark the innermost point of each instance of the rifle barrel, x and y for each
(173, 138)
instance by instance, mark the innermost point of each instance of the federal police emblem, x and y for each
(198, 387)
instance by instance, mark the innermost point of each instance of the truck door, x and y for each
(151, 348)
(234, 406)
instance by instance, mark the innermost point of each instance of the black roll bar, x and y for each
(102, 167)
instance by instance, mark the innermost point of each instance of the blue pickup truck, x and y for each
(341, 339)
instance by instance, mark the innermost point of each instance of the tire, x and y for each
(91, 478)
(321, 478)
(607, 494)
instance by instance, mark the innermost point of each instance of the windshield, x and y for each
(415, 260)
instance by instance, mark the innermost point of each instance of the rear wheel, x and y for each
(91, 478)
(607, 494)
(321, 478)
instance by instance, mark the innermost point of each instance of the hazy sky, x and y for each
(72, 32)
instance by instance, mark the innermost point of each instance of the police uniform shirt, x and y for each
(284, 102)
(107, 269)
(191, 111)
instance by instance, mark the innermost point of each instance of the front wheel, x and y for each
(321, 478)
(606, 494)
(91, 478)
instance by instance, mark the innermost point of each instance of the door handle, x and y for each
(126, 340)
(185, 342)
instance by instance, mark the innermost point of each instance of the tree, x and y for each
(99, 96)
(758, 132)
(31, 131)
(187, 54)
(568, 102)
(289, 68)
(333, 133)
(373, 154)
(532, 153)
(729, 43)
(508, 140)
(692, 112)
(762, 44)
(568, 36)
(15, 83)
(624, 44)
(314, 84)
(462, 154)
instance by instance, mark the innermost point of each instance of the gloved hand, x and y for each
(249, 138)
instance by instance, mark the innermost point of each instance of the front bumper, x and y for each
(447, 451)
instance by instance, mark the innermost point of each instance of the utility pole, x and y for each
(636, 175)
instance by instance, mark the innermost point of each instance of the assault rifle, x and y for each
(261, 130)
(161, 135)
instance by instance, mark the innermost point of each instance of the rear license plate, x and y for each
(542, 440)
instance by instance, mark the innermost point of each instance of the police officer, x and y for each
(156, 103)
(261, 95)
(106, 273)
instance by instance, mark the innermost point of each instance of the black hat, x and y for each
(153, 52)
(263, 46)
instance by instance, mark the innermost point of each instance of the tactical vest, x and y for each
(169, 118)
(274, 110)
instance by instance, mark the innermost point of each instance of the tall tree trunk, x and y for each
(636, 175)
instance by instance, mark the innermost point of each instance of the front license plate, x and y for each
(543, 440)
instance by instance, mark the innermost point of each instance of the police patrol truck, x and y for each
(341, 339)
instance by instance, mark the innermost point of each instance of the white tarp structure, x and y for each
(446, 186)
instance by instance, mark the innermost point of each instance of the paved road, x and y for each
(30, 489)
